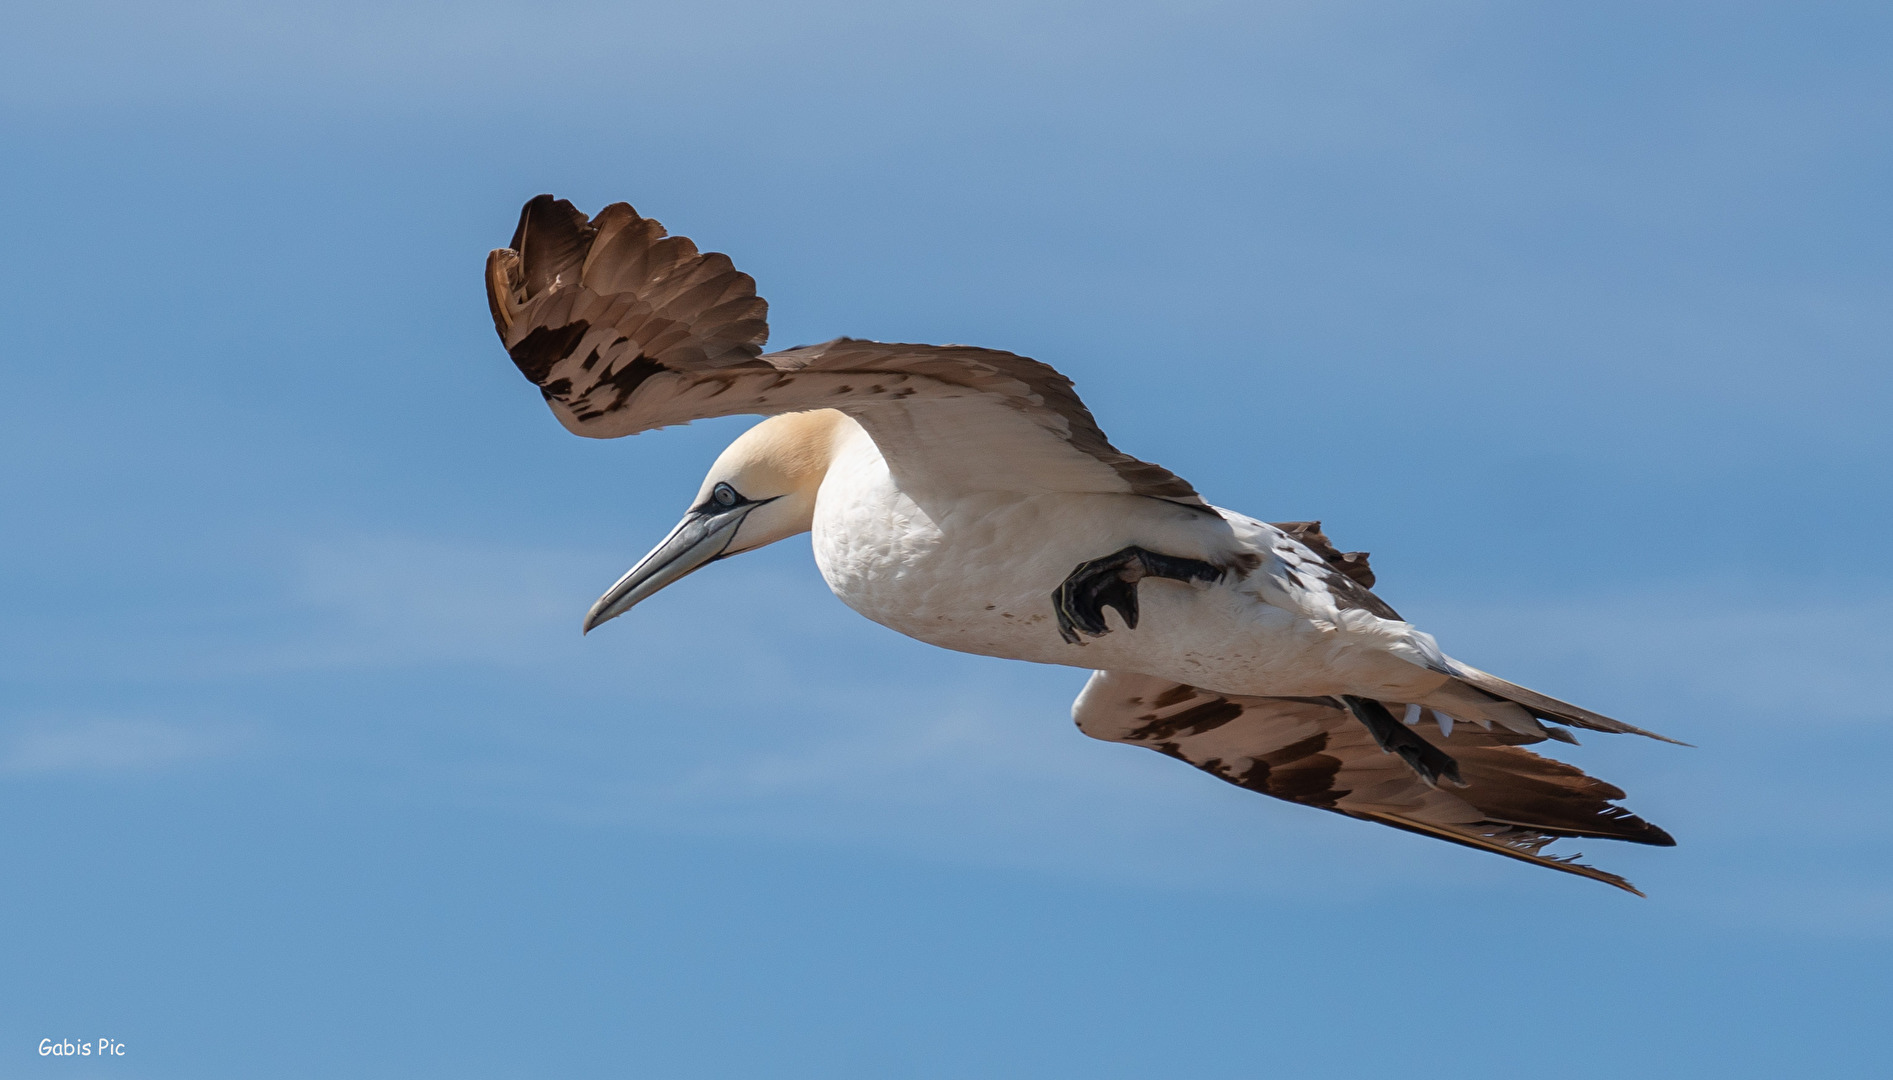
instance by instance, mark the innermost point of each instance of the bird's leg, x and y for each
(1112, 582)
(1428, 760)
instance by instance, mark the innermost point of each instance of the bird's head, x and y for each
(761, 489)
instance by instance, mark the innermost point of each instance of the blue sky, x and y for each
(1575, 316)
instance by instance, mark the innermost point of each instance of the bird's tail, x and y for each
(1483, 697)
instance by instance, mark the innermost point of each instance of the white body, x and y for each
(976, 573)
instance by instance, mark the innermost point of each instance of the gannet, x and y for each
(966, 497)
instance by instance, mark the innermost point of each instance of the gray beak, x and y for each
(700, 537)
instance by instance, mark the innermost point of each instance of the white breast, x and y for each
(976, 574)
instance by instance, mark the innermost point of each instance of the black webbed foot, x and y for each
(1112, 582)
(1428, 760)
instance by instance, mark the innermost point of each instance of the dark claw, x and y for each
(1112, 582)
(1432, 763)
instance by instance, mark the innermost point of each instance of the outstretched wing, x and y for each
(1312, 751)
(624, 329)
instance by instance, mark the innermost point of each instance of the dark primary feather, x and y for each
(590, 309)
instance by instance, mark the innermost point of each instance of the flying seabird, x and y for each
(966, 497)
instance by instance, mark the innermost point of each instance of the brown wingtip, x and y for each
(549, 232)
(501, 265)
(546, 213)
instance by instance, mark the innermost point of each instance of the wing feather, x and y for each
(625, 328)
(1312, 751)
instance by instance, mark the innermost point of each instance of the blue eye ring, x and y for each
(724, 495)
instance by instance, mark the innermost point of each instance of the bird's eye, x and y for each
(724, 495)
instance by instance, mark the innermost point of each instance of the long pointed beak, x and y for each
(701, 536)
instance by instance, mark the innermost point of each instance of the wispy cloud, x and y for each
(112, 51)
(49, 746)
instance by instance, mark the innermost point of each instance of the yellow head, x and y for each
(761, 489)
